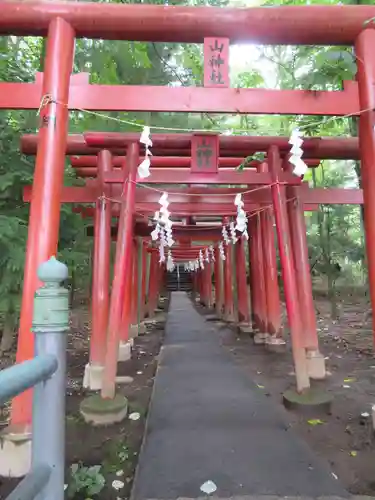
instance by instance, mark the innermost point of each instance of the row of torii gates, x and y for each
(109, 161)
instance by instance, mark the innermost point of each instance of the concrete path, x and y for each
(209, 421)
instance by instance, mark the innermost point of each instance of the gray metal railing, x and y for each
(46, 373)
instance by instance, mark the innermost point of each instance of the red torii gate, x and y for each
(62, 22)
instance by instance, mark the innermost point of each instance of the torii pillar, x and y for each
(121, 269)
(228, 286)
(242, 291)
(101, 279)
(364, 49)
(153, 283)
(257, 281)
(44, 225)
(296, 215)
(218, 273)
(288, 272)
(272, 305)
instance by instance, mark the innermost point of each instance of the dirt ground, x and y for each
(115, 448)
(345, 439)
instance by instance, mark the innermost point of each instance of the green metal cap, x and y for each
(52, 271)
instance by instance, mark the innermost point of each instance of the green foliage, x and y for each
(259, 156)
(85, 481)
(335, 236)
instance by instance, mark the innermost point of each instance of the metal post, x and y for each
(50, 325)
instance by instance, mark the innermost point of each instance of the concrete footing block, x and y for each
(92, 378)
(142, 329)
(311, 402)
(373, 416)
(275, 344)
(133, 331)
(124, 379)
(316, 365)
(261, 338)
(15, 452)
(124, 351)
(98, 411)
(245, 329)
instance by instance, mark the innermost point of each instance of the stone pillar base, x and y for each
(98, 411)
(261, 338)
(15, 452)
(142, 329)
(92, 378)
(133, 331)
(373, 416)
(276, 344)
(245, 328)
(316, 365)
(124, 351)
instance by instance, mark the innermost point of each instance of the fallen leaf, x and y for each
(117, 485)
(353, 453)
(208, 487)
(315, 421)
(134, 416)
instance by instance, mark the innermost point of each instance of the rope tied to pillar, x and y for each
(46, 99)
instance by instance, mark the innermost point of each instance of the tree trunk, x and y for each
(9, 335)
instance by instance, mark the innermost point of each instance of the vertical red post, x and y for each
(126, 308)
(153, 285)
(44, 221)
(228, 288)
(143, 282)
(288, 272)
(242, 292)
(315, 360)
(101, 264)
(135, 285)
(208, 271)
(273, 304)
(122, 267)
(302, 267)
(364, 48)
(218, 273)
(257, 283)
